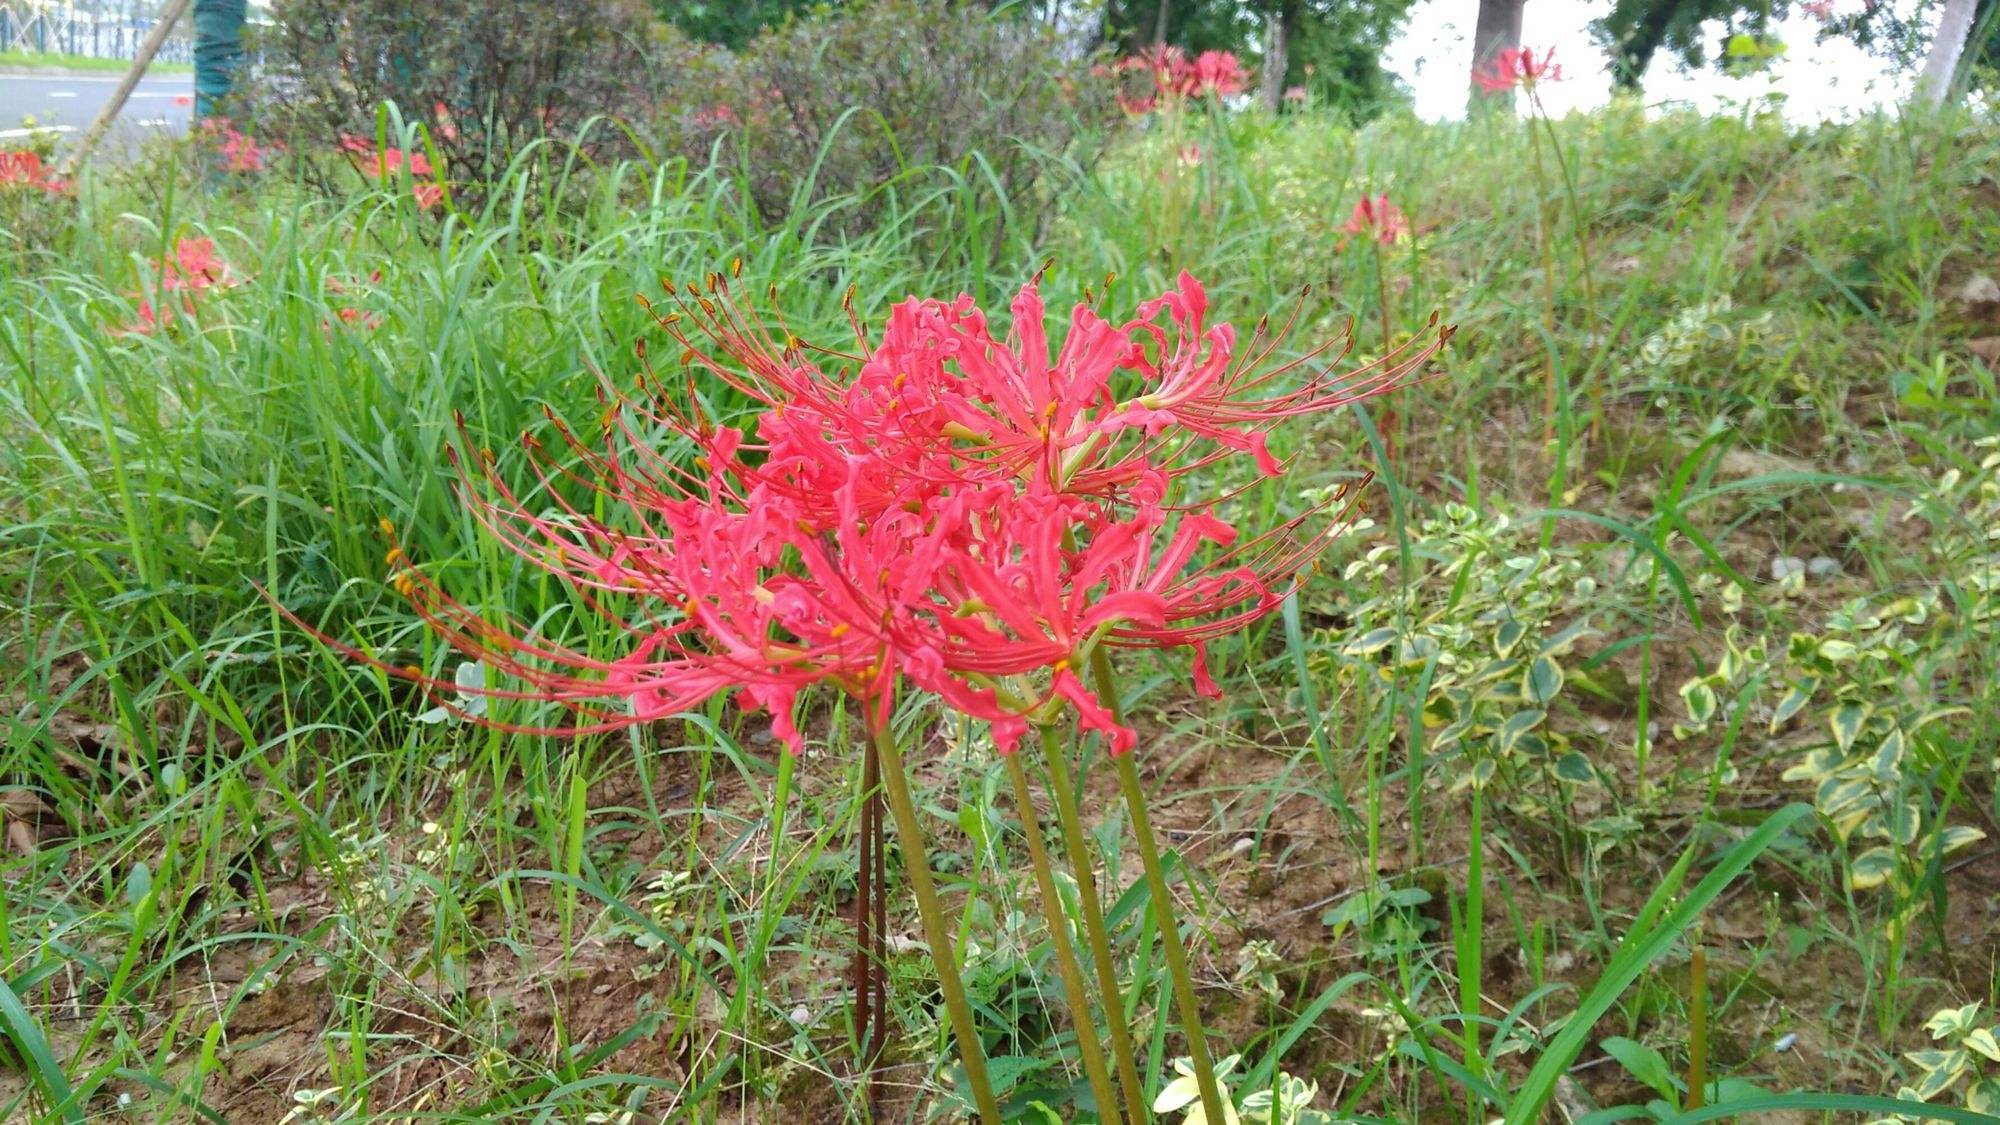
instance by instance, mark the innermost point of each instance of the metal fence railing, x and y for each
(104, 29)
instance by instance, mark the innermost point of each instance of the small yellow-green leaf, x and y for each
(1794, 702)
(1846, 721)
(1544, 680)
(1958, 836)
(1889, 755)
(1871, 868)
(1837, 650)
(1368, 643)
(1981, 1039)
(1700, 701)
(1575, 767)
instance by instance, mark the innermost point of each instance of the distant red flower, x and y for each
(1176, 78)
(239, 152)
(388, 161)
(353, 318)
(24, 167)
(1821, 10)
(1295, 94)
(183, 100)
(1215, 72)
(1518, 66)
(1378, 219)
(447, 125)
(192, 268)
(379, 164)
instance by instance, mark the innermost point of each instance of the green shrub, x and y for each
(488, 78)
(846, 102)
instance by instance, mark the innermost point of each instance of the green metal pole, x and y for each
(218, 52)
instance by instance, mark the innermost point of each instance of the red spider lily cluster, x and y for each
(193, 268)
(240, 153)
(1177, 78)
(24, 168)
(1378, 219)
(967, 512)
(349, 316)
(1519, 67)
(384, 163)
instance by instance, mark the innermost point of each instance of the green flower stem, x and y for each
(1066, 963)
(1064, 793)
(895, 782)
(1212, 1104)
(1548, 282)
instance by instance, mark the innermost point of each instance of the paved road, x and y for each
(69, 102)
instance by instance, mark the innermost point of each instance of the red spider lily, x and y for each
(447, 125)
(149, 320)
(1296, 95)
(1518, 66)
(192, 268)
(239, 152)
(1215, 72)
(1378, 219)
(962, 512)
(941, 396)
(351, 317)
(380, 164)
(24, 167)
(1176, 78)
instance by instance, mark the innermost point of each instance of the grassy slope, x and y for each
(241, 870)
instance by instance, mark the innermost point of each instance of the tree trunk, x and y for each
(1498, 29)
(1277, 38)
(1935, 84)
(218, 52)
(1160, 23)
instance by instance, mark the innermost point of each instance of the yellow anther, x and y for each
(394, 556)
(388, 528)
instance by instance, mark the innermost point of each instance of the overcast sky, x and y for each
(1819, 80)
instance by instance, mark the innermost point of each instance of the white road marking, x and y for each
(156, 122)
(8, 134)
(62, 93)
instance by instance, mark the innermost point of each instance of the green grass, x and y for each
(56, 60)
(242, 879)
